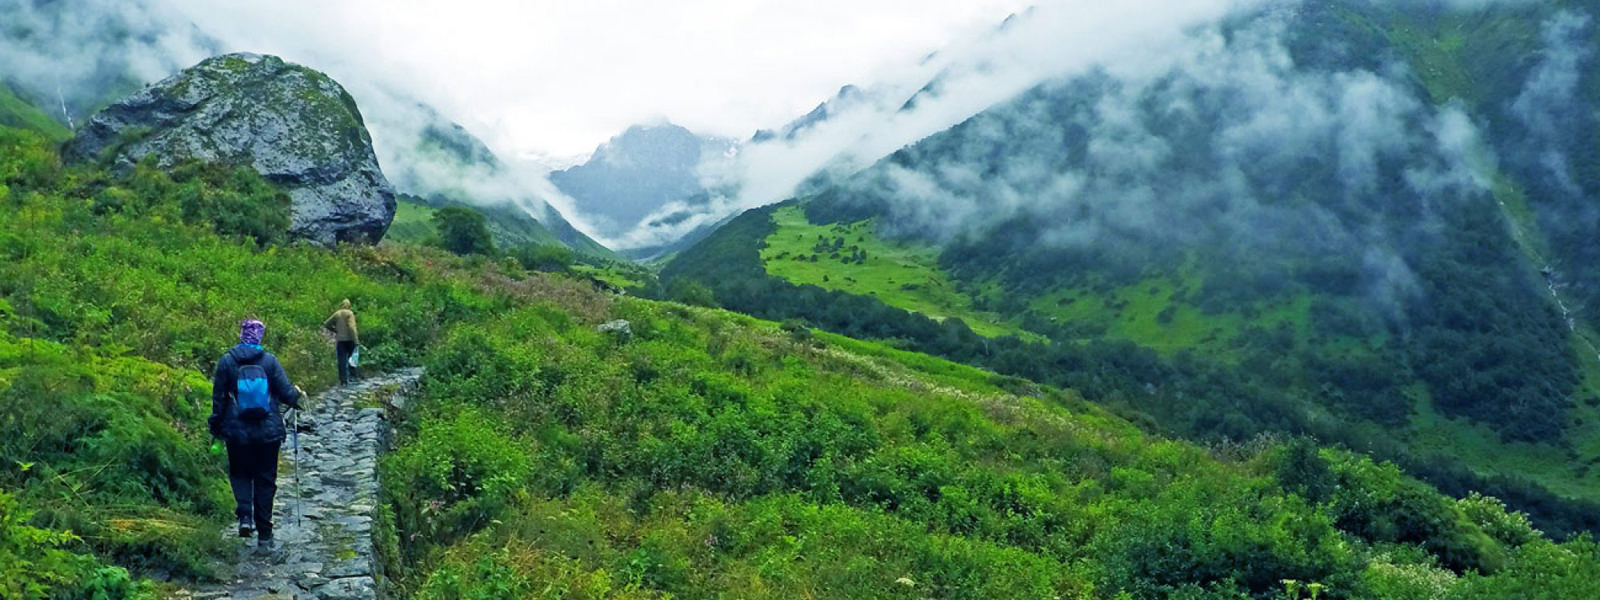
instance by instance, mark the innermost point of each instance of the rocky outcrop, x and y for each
(295, 126)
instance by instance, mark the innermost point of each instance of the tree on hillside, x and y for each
(690, 292)
(540, 257)
(463, 230)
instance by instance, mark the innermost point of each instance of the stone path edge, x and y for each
(325, 520)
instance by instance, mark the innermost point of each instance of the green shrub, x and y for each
(33, 559)
(235, 201)
(463, 230)
(460, 474)
(1505, 526)
(553, 259)
(230, 200)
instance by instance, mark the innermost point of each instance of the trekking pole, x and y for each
(299, 502)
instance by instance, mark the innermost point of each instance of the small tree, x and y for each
(463, 230)
(690, 292)
(797, 330)
(535, 257)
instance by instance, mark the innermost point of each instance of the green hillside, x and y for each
(1248, 378)
(709, 454)
(413, 224)
(510, 226)
(448, 148)
(1232, 283)
(513, 232)
(20, 114)
(118, 295)
(853, 259)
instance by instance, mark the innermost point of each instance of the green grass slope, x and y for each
(716, 455)
(413, 223)
(707, 455)
(20, 114)
(853, 259)
(1152, 312)
(1259, 360)
(116, 296)
(509, 226)
(512, 232)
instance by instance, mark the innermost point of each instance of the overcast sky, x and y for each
(558, 77)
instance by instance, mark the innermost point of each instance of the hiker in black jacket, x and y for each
(252, 434)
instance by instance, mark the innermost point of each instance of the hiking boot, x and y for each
(265, 545)
(247, 527)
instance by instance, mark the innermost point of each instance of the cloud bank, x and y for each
(547, 80)
(74, 57)
(1226, 146)
(1052, 40)
(1549, 98)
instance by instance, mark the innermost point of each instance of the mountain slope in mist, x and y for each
(848, 97)
(74, 58)
(639, 172)
(18, 113)
(1334, 218)
(447, 165)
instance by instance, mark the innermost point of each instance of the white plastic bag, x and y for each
(355, 357)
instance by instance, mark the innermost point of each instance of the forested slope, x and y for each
(1352, 220)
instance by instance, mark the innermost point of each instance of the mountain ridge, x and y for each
(449, 166)
(639, 173)
(1307, 271)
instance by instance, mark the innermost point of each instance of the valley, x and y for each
(1292, 301)
(1351, 313)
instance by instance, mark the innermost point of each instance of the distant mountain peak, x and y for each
(637, 172)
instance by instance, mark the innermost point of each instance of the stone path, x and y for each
(323, 525)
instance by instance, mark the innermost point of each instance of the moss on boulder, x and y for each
(295, 126)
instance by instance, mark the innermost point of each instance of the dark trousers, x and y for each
(342, 350)
(253, 473)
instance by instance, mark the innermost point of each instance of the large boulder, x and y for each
(295, 126)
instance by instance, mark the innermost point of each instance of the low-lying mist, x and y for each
(74, 59)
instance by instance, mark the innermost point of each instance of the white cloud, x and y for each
(1056, 39)
(1545, 105)
(557, 77)
(75, 58)
(1218, 141)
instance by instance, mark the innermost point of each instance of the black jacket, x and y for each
(226, 425)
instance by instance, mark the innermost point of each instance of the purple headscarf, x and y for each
(250, 332)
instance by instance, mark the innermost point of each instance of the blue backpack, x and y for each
(251, 397)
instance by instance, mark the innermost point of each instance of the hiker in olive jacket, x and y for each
(252, 436)
(343, 326)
